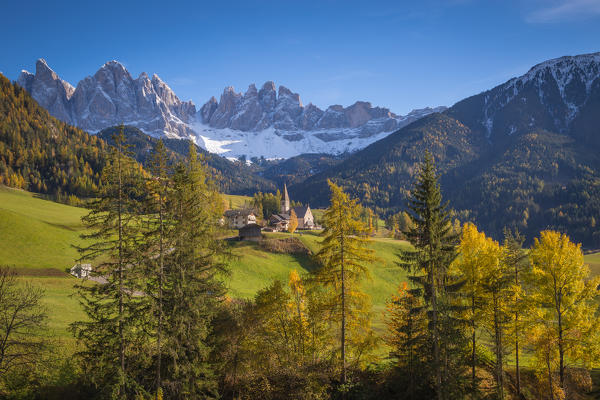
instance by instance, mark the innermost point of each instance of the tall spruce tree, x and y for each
(409, 340)
(193, 288)
(113, 335)
(434, 250)
(158, 223)
(344, 255)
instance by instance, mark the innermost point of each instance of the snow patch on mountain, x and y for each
(271, 143)
(562, 86)
(271, 122)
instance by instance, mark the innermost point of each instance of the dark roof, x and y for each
(238, 212)
(300, 211)
(250, 230)
(280, 217)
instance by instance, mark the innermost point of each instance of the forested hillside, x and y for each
(233, 177)
(42, 154)
(523, 155)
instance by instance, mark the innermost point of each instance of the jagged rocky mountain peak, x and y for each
(111, 97)
(280, 125)
(269, 85)
(273, 122)
(251, 92)
(43, 69)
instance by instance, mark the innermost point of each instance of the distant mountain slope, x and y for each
(524, 154)
(232, 177)
(381, 175)
(42, 154)
(560, 95)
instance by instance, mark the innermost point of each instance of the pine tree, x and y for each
(193, 287)
(434, 250)
(406, 320)
(343, 256)
(158, 242)
(113, 335)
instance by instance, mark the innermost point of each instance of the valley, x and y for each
(444, 251)
(38, 237)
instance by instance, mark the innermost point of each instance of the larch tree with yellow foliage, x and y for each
(496, 285)
(566, 298)
(293, 224)
(515, 259)
(297, 308)
(475, 255)
(344, 255)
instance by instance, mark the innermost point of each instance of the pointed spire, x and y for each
(285, 202)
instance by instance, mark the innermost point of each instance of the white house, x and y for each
(81, 270)
(237, 219)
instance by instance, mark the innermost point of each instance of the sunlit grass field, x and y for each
(36, 238)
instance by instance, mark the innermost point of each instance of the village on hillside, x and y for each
(250, 227)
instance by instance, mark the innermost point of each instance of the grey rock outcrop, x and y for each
(283, 110)
(109, 98)
(48, 90)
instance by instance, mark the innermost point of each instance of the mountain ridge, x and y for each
(515, 155)
(229, 126)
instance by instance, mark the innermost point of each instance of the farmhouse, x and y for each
(237, 219)
(81, 270)
(280, 221)
(250, 232)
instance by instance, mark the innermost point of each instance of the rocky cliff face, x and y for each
(48, 90)
(111, 97)
(270, 122)
(282, 110)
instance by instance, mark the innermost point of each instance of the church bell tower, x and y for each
(285, 201)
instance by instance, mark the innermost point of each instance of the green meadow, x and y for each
(37, 238)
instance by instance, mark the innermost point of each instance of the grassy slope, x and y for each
(36, 237)
(36, 233)
(594, 262)
(236, 201)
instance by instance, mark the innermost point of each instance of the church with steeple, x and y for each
(281, 220)
(285, 201)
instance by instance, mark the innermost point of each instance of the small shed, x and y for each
(250, 232)
(81, 271)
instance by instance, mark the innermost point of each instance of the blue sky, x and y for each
(396, 54)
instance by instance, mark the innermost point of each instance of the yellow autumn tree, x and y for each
(344, 257)
(496, 287)
(297, 308)
(293, 224)
(567, 329)
(475, 253)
